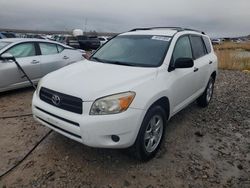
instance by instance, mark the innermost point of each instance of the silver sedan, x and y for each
(36, 57)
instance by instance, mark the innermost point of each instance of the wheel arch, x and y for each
(213, 75)
(164, 103)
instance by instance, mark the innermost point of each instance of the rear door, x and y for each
(211, 59)
(26, 55)
(52, 57)
(69, 55)
(201, 61)
(73, 56)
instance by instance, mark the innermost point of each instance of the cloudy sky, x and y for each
(216, 17)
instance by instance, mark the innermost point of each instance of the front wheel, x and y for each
(151, 134)
(206, 97)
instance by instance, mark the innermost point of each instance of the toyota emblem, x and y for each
(56, 100)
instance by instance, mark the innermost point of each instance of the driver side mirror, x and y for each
(183, 63)
(7, 57)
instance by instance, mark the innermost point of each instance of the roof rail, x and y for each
(188, 29)
(178, 29)
(150, 28)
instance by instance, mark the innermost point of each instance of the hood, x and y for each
(91, 80)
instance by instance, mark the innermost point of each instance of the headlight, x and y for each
(112, 104)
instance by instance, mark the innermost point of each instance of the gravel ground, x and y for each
(203, 147)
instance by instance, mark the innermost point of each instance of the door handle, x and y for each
(195, 69)
(65, 57)
(210, 62)
(34, 62)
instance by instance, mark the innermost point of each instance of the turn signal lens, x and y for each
(125, 102)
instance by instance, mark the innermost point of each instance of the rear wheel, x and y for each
(151, 134)
(206, 97)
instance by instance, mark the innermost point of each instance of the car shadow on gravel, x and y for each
(16, 92)
(109, 155)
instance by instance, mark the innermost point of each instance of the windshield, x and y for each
(134, 50)
(3, 44)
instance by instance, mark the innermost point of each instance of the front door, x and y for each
(185, 80)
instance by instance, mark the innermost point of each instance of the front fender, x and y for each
(148, 93)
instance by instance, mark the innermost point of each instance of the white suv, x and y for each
(123, 96)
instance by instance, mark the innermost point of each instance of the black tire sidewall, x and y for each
(143, 154)
(202, 100)
(210, 80)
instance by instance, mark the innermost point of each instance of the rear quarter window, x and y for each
(198, 46)
(207, 44)
(60, 48)
(48, 48)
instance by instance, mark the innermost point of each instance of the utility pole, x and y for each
(86, 23)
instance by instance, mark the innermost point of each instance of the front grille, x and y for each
(60, 100)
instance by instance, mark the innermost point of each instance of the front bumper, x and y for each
(94, 131)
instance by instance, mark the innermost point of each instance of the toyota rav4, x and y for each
(124, 94)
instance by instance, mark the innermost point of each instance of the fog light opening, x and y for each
(115, 138)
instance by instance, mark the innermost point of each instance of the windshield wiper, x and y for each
(98, 59)
(122, 63)
(116, 62)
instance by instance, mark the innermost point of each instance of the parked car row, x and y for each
(218, 41)
(79, 42)
(82, 42)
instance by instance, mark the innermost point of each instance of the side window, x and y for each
(207, 44)
(60, 48)
(198, 46)
(48, 48)
(182, 49)
(23, 50)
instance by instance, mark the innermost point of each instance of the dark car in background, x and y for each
(69, 40)
(79, 42)
(4, 35)
(88, 42)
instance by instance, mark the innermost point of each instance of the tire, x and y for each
(206, 96)
(150, 135)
